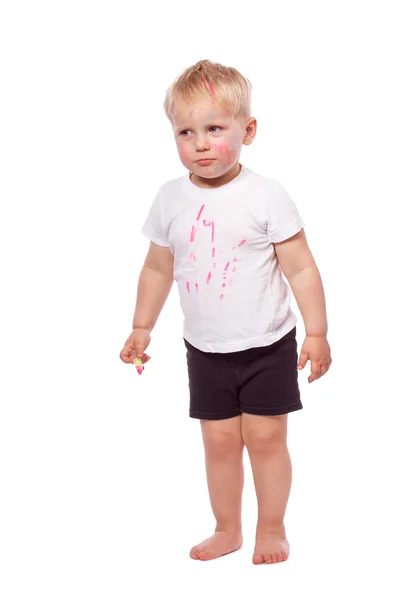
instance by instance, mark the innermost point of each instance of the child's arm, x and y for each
(155, 283)
(298, 265)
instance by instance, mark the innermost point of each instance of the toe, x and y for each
(205, 554)
(258, 559)
(274, 557)
(267, 559)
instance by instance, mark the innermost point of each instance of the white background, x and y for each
(103, 488)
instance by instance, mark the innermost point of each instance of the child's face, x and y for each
(207, 131)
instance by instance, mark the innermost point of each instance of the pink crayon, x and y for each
(138, 365)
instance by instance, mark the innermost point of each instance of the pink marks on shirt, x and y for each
(240, 244)
(200, 211)
(211, 223)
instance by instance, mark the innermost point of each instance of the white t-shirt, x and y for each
(232, 292)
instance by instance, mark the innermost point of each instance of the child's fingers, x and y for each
(126, 355)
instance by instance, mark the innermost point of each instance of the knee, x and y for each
(223, 444)
(260, 441)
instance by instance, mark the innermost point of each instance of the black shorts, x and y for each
(259, 381)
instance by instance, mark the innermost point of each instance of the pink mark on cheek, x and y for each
(209, 277)
(193, 233)
(221, 297)
(197, 287)
(188, 286)
(213, 252)
(200, 211)
(224, 285)
(215, 266)
(227, 265)
(234, 269)
(192, 255)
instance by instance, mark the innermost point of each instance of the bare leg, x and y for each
(223, 446)
(265, 438)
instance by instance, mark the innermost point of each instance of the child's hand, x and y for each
(135, 345)
(317, 350)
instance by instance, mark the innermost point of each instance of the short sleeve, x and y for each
(283, 219)
(154, 225)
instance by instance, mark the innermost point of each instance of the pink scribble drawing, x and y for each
(211, 223)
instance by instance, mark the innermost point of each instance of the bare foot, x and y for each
(215, 546)
(270, 548)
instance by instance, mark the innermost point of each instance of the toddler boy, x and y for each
(226, 235)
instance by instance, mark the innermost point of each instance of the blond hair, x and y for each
(208, 80)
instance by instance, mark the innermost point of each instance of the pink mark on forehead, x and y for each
(210, 86)
(242, 242)
(188, 286)
(209, 277)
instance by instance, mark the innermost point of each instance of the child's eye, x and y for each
(211, 126)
